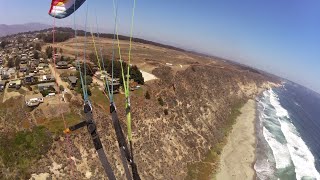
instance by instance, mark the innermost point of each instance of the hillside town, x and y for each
(31, 67)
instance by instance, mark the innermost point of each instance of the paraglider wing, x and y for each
(63, 8)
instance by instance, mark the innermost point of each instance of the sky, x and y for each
(280, 37)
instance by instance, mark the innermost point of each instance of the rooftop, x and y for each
(46, 84)
(18, 81)
(73, 79)
(2, 83)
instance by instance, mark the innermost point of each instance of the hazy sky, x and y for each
(279, 36)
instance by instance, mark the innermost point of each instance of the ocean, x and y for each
(288, 133)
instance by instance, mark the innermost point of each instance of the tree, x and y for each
(35, 54)
(88, 80)
(17, 62)
(45, 57)
(61, 88)
(38, 47)
(49, 50)
(78, 89)
(136, 75)
(3, 44)
(11, 63)
(19, 39)
(61, 58)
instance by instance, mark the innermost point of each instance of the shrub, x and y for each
(160, 100)
(44, 93)
(61, 88)
(147, 95)
(165, 111)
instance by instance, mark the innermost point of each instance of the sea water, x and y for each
(288, 133)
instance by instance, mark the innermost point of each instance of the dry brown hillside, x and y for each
(178, 133)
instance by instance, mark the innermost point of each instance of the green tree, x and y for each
(35, 54)
(61, 58)
(3, 44)
(78, 89)
(38, 46)
(136, 75)
(17, 61)
(61, 88)
(49, 52)
(11, 63)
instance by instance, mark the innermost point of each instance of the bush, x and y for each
(161, 102)
(35, 54)
(11, 63)
(147, 95)
(166, 112)
(61, 88)
(49, 51)
(44, 93)
(38, 47)
(88, 80)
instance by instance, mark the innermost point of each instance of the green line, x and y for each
(128, 75)
(126, 83)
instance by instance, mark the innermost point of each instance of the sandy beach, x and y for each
(239, 153)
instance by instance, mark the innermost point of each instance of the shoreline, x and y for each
(238, 155)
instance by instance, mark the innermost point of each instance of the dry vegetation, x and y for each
(178, 131)
(145, 56)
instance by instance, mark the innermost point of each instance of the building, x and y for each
(15, 84)
(33, 100)
(47, 78)
(72, 81)
(23, 68)
(29, 78)
(62, 65)
(42, 66)
(2, 85)
(46, 86)
(10, 71)
(5, 77)
(23, 60)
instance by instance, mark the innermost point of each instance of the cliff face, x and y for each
(199, 101)
(177, 126)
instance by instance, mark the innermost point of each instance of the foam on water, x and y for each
(280, 151)
(274, 100)
(300, 154)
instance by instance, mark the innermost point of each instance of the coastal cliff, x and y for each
(178, 133)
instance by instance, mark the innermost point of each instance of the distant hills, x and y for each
(18, 28)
